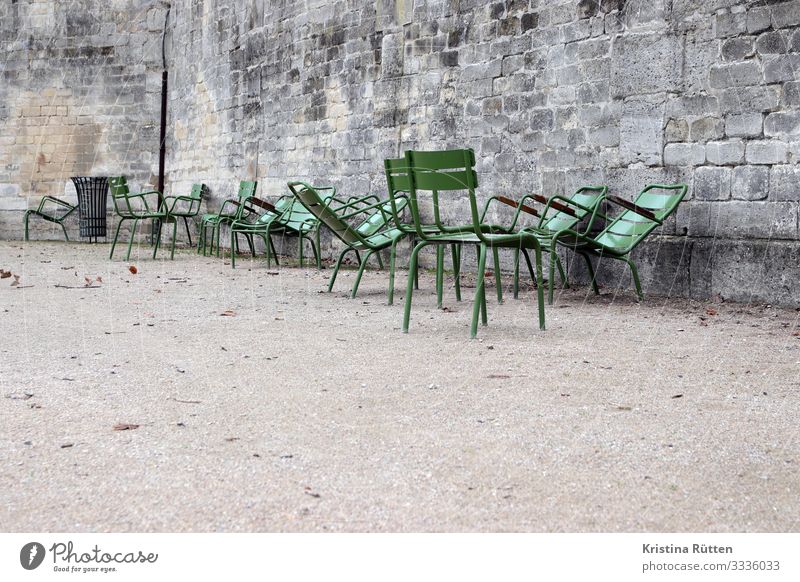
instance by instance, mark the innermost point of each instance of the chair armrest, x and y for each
(633, 207)
(57, 201)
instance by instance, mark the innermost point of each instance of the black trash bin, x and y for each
(92, 197)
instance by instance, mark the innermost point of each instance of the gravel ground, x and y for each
(265, 404)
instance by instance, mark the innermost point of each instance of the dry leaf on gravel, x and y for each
(133, 269)
(125, 426)
(4, 274)
(711, 311)
(228, 313)
(20, 395)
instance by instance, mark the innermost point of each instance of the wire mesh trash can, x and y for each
(92, 198)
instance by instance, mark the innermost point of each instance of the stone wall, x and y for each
(80, 87)
(550, 95)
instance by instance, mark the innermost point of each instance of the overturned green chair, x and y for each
(53, 210)
(139, 206)
(628, 229)
(375, 232)
(449, 171)
(232, 209)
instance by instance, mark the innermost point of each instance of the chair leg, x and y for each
(274, 252)
(380, 260)
(315, 252)
(336, 268)
(591, 273)
(360, 273)
(412, 278)
(188, 234)
(249, 238)
(133, 235)
(561, 272)
(455, 251)
(551, 275)
(484, 315)
(27, 216)
(157, 241)
(300, 249)
(439, 275)
(516, 273)
(116, 236)
(66, 236)
(234, 244)
(497, 278)
(392, 263)
(174, 238)
(636, 282)
(480, 291)
(539, 285)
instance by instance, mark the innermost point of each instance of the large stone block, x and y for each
(744, 125)
(785, 183)
(750, 183)
(766, 152)
(684, 154)
(645, 63)
(723, 153)
(712, 183)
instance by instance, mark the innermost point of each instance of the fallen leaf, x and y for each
(185, 401)
(624, 408)
(711, 311)
(125, 426)
(133, 269)
(67, 445)
(99, 279)
(20, 395)
(678, 396)
(67, 268)
(796, 334)
(228, 313)
(4, 274)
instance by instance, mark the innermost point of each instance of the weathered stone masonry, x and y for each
(79, 95)
(550, 95)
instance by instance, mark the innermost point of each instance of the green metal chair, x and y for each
(232, 209)
(453, 170)
(560, 217)
(397, 180)
(375, 232)
(59, 212)
(624, 233)
(186, 207)
(137, 207)
(287, 217)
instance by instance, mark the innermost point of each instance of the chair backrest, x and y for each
(118, 186)
(283, 204)
(442, 171)
(383, 217)
(397, 181)
(630, 227)
(197, 191)
(247, 189)
(585, 199)
(310, 198)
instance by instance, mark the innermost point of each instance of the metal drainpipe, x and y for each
(162, 152)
